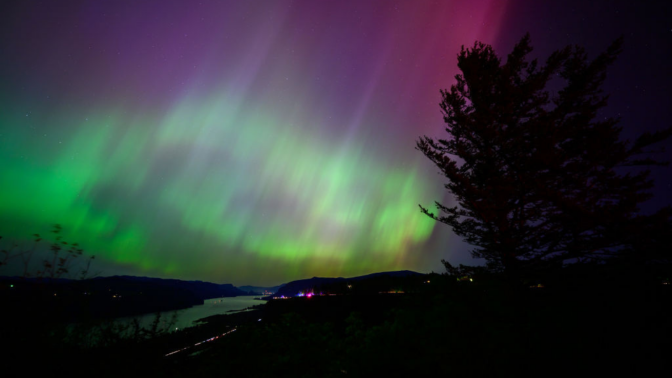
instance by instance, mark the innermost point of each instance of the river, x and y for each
(187, 317)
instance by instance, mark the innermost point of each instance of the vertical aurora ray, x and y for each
(229, 140)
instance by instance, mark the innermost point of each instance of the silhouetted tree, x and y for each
(536, 176)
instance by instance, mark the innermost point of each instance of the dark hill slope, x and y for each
(375, 282)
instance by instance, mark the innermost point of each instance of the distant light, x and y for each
(471, 279)
(259, 320)
(11, 285)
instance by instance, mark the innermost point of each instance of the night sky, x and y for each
(258, 142)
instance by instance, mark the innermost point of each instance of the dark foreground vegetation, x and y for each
(603, 319)
(608, 320)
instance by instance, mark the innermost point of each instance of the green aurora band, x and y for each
(229, 141)
(165, 192)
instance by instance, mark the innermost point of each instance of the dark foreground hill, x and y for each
(599, 322)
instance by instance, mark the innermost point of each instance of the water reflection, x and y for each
(186, 317)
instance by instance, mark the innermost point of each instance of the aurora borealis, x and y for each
(232, 141)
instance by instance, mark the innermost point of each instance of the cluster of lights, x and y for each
(303, 295)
